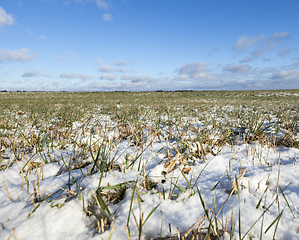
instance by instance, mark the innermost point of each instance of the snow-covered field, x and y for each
(228, 172)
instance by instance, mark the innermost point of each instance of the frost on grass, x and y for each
(172, 165)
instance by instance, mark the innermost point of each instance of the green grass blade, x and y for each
(186, 179)
(117, 186)
(276, 219)
(286, 201)
(151, 212)
(277, 226)
(131, 204)
(260, 201)
(103, 204)
(266, 209)
(206, 212)
(178, 187)
(218, 181)
(138, 156)
(202, 172)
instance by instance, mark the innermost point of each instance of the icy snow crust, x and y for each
(263, 172)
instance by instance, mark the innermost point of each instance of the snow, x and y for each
(263, 167)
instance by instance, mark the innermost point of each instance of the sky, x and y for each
(141, 45)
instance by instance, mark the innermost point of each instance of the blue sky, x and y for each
(138, 45)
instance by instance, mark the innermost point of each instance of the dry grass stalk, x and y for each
(169, 155)
(42, 174)
(239, 178)
(159, 193)
(32, 202)
(102, 225)
(113, 225)
(41, 192)
(178, 231)
(171, 165)
(259, 183)
(15, 234)
(233, 190)
(186, 170)
(6, 189)
(98, 225)
(21, 168)
(190, 229)
(267, 181)
(127, 232)
(279, 158)
(135, 219)
(231, 225)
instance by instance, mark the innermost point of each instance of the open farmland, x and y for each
(149, 165)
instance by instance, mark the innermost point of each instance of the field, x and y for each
(149, 165)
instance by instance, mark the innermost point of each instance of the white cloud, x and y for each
(5, 19)
(161, 73)
(99, 61)
(284, 51)
(120, 63)
(258, 52)
(102, 4)
(277, 38)
(286, 74)
(107, 17)
(193, 70)
(237, 78)
(266, 59)
(122, 70)
(56, 84)
(294, 65)
(241, 80)
(236, 69)
(260, 43)
(67, 56)
(39, 36)
(213, 51)
(34, 74)
(245, 42)
(246, 59)
(22, 55)
(42, 37)
(83, 77)
(105, 68)
(136, 79)
(29, 31)
(126, 77)
(109, 76)
(58, 59)
(69, 53)
(271, 42)
(31, 74)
